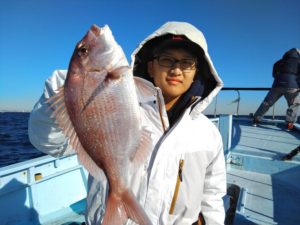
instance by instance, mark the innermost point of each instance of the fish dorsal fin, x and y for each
(143, 148)
(89, 163)
(62, 119)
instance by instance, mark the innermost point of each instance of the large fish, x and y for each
(98, 109)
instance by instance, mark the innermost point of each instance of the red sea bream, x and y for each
(98, 110)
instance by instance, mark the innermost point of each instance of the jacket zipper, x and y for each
(181, 161)
(160, 112)
(179, 180)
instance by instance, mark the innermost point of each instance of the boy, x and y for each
(185, 174)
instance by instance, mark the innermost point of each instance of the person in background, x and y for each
(286, 73)
(185, 175)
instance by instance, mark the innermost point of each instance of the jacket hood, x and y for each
(207, 73)
(292, 53)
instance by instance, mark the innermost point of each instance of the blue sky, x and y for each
(245, 38)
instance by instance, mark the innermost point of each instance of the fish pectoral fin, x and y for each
(143, 149)
(60, 114)
(120, 208)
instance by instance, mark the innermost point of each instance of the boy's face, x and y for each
(173, 71)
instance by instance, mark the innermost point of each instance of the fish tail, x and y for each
(120, 208)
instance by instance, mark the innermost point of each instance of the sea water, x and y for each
(14, 143)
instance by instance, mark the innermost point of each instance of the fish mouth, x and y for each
(96, 30)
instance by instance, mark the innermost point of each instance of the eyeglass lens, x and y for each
(167, 61)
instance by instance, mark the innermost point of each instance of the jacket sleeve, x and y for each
(276, 68)
(42, 131)
(215, 189)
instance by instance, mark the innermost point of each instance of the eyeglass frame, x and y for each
(193, 67)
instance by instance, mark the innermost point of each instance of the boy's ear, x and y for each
(150, 68)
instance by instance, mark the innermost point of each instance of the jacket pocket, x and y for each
(187, 192)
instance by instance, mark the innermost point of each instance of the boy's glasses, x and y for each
(170, 62)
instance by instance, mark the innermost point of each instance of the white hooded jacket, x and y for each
(185, 173)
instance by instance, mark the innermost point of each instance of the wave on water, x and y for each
(14, 143)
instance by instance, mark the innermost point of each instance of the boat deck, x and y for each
(270, 187)
(266, 188)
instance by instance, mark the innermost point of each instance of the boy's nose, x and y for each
(176, 69)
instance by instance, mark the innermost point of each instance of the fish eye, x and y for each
(83, 51)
